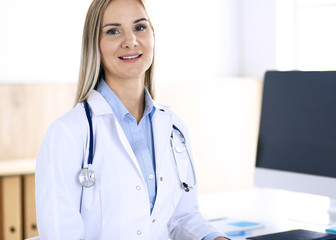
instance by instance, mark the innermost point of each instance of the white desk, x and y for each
(275, 209)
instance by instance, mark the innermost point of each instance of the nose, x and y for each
(130, 41)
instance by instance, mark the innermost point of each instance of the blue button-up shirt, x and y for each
(140, 137)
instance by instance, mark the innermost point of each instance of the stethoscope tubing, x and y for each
(87, 176)
(88, 115)
(184, 185)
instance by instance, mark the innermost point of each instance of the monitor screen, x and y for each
(297, 134)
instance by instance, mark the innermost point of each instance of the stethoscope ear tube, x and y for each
(184, 185)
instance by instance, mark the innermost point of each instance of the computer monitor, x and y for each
(297, 136)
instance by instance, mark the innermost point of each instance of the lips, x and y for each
(130, 57)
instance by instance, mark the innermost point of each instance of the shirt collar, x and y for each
(118, 107)
(149, 104)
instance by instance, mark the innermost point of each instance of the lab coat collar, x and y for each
(117, 106)
(98, 104)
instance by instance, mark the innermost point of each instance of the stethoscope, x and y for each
(87, 176)
(178, 149)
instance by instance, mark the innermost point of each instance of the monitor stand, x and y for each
(323, 217)
(332, 212)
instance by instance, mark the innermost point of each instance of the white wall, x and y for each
(40, 40)
(258, 37)
(287, 35)
(316, 37)
(196, 39)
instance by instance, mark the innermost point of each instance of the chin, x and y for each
(135, 73)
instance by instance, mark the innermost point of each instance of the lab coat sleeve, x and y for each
(187, 223)
(58, 192)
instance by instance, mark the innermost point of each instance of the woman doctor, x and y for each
(132, 187)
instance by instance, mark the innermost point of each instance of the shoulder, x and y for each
(73, 118)
(71, 125)
(74, 123)
(176, 118)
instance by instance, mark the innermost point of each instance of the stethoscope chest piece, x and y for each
(87, 177)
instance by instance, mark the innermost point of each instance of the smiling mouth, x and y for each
(130, 57)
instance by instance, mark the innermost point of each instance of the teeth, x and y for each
(131, 57)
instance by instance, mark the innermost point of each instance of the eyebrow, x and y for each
(140, 19)
(118, 24)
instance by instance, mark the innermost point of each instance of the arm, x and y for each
(215, 236)
(187, 222)
(57, 191)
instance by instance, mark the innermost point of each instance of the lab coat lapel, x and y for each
(162, 124)
(127, 147)
(100, 107)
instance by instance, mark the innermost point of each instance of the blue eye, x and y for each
(140, 28)
(113, 31)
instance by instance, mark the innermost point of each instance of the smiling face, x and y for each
(126, 41)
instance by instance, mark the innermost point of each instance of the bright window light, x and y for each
(316, 35)
(305, 35)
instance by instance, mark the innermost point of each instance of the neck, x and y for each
(131, 94)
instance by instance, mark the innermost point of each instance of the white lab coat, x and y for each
(117, 206)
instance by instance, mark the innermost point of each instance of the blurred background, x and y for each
(40, 40)
(211, 57)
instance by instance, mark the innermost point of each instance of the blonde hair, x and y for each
(91, 68)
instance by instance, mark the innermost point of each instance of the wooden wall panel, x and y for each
(26, 112)
(1, 211)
